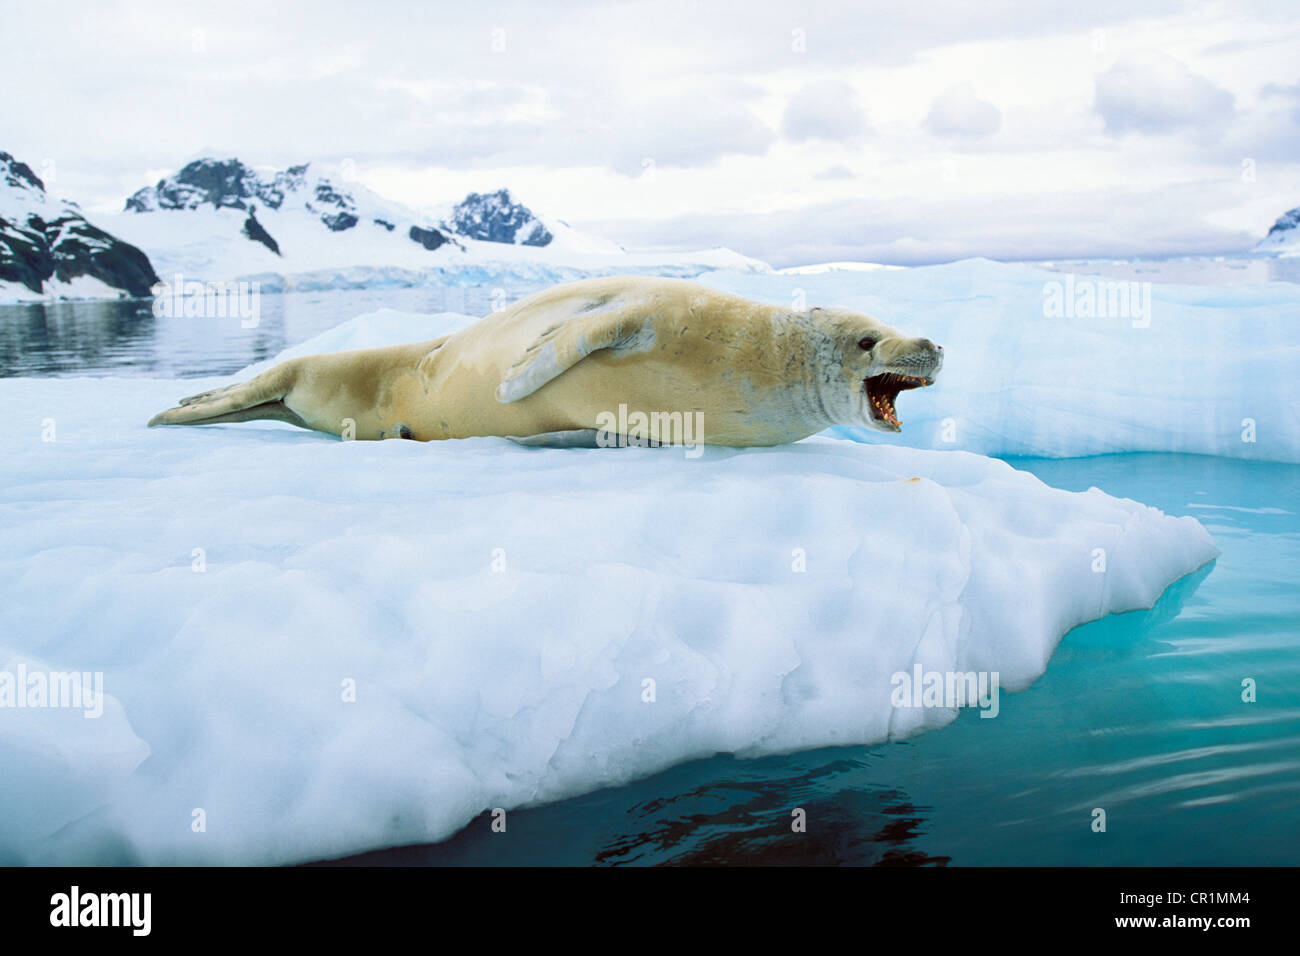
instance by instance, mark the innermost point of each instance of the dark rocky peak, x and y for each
(229, 183)
(219, 183)
(1286, 222)
(44, 241)
(497, 217)
(18, 175)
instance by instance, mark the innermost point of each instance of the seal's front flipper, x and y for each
(601, 325)
(574, 438)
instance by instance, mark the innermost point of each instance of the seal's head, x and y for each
(875, 363)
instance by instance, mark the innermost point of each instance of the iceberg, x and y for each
(1056, 365)
(310, 648)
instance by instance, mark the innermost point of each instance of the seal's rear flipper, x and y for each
(258, 399)
(574, 438)
(268, 411)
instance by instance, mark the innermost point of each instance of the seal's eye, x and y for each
(866, 343)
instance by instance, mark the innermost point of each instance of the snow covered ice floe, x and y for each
(1191, 369)
(497, 608)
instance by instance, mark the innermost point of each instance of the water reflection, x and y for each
(67, 337)
(717, 811)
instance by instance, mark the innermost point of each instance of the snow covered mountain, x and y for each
(304, 192)
(49, 249)
(313, 227)
(305, 227)
(1284, 237)
(220, 218)
(229, 184)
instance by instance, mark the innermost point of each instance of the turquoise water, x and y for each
(1139, 714)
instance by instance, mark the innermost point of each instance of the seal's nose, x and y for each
(936, 356)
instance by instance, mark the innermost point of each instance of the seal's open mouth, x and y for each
(883, 389)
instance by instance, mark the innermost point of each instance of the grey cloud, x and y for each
(1095, 223)
(694, 130)
(825, 110)
(957, 111)
(1158, 94)
(1271, 131)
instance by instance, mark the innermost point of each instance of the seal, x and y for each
(577, 362)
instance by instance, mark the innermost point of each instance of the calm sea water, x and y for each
(125, 338)
(1139, 714)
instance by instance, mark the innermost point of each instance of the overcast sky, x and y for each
(902, 131)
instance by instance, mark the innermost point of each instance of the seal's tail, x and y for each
(260, 398)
